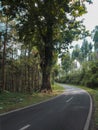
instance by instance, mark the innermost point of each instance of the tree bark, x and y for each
(46, 85)
(46, 66)
(46, 55)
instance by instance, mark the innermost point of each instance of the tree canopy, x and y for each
(50, 25)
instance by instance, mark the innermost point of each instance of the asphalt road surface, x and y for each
(69, 111)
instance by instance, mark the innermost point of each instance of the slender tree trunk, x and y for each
(4, 56)
(29, 86)
(25, 73)
(12, 72)
(32, 79)
(1, 54)
(3, 65)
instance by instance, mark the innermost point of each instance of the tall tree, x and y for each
(95, 39)
(66, 62)
(76, 52)
(84, 49)
(50, 25)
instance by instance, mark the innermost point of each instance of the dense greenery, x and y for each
(83, 64)
(49, 26)
(87, 76)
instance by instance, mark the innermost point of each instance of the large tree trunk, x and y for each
(46, 67)
(46, 55)
(46, 84)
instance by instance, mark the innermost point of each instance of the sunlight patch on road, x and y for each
(73, 91)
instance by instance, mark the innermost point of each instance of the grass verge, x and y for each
(11, 101)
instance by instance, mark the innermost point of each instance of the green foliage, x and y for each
(71, 78)
(83, 53)
(87, 76)
(57, 87)
(92, 80)
(66, 62)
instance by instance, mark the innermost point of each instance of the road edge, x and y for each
(32, 105)
(88, 120)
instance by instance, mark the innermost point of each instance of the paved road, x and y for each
(69, 111)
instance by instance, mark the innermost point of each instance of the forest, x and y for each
(33, 34)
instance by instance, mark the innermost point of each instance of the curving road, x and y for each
(69, 111)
